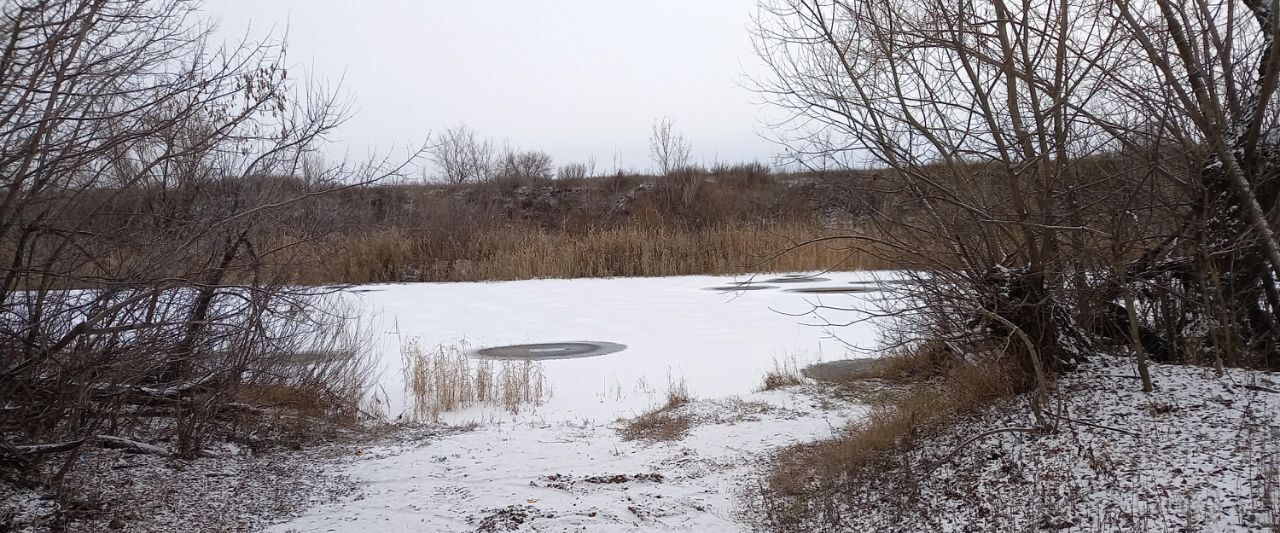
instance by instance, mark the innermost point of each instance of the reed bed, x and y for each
(394, 254)
(447, 378)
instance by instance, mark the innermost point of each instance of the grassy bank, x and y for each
(913, 396)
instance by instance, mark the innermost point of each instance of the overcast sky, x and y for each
(574, 78)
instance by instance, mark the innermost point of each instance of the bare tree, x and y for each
(1021, 134)
(516, 163)
(463, 156)
(976, 129)
(578, 170)
(1219, 63)
(146, 173)
(668, 149)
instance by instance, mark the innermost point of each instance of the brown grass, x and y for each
(656, 425)
(662, 423)
(910, 366)
(785, 373)
(304, 401)
(945, 391)
(523, 252)
(447, 378)
(314, 385)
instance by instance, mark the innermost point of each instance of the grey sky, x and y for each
(571, 77)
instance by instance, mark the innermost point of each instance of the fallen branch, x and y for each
(128, 445)
(43, 449)
(954, 451)
(1091, 424)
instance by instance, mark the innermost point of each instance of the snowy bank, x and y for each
(1201, 453)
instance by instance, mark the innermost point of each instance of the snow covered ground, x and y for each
(562, 465)
(1199, 454)
(1202, 453)
(576, 476)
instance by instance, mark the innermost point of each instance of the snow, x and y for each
(112, 490)
(1200, 453)
(536, 469)
(577, 476)
(720, 343)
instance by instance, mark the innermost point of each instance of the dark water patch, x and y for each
(741, 287)
(838, 371)
(551, 350)
(797, 279)
(882, 282)
(833, 290)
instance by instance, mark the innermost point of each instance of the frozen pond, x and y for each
(719, 342)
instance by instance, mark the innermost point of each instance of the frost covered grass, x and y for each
(237, 490)
(1198, 454)
(447, 378)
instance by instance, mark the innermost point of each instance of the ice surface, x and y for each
(721, 344)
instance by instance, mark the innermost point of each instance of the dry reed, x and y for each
(947, 391)
(448, 378)
(664, 422)
(629, 251)
(785, 373)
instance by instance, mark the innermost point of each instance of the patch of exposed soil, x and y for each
(510, 518)
(567, 482)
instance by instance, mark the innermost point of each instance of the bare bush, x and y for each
(462, 156)
(527, 164)
(668, 149)
(1071, 176)
(1025, 149)
(576, 171)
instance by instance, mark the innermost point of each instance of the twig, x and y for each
(1261, 388)
(1091, 424)
(973, 439)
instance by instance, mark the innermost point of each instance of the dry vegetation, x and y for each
(664, 422)
(786, 372)
(725, 220)
(528, 253)
(806, 477)
(450, 378)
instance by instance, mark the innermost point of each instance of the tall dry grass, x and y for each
(786, 372)
(806, 479)
(629, 251)
(447, 378)
(664, 422)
